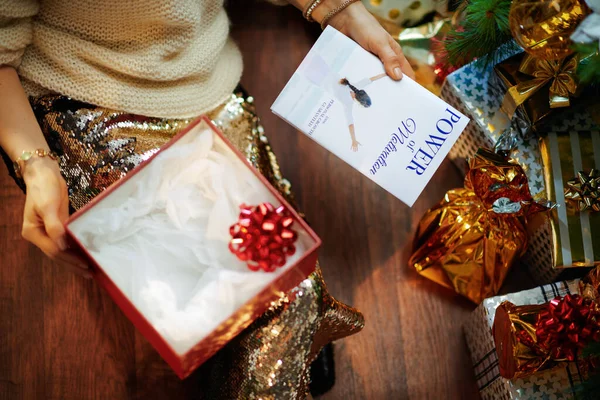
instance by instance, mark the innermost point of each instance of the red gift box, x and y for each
(184, 364)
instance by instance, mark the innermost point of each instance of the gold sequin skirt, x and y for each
(271, 358)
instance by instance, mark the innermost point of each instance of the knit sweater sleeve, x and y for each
(16, 30)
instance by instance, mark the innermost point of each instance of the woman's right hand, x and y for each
(46, 209)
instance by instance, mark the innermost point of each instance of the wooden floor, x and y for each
(62, 338)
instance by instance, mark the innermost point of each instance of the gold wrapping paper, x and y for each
(514, 358)
(559, 74)
(534, 87)
(418, 45)
(401, 13)
(469, 241)
(543, 27)
(575, 234)
(518, 342)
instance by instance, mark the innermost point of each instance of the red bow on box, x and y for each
(567, 326)
(263, 236)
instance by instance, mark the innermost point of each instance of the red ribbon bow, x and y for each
(567, 326)
(263, 236)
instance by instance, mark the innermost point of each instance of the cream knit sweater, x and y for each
(162, 58)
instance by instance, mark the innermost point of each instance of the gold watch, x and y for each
(27, 155)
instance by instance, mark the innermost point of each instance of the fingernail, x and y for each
(398, 73)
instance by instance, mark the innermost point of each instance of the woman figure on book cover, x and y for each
(355, 95)
(87, 92)
(320, 73)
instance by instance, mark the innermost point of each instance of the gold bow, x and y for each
(561, 74)
(583, 191)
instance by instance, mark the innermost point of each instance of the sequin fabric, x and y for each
(98, 146)
(271, 358)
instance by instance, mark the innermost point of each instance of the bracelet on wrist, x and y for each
(335, 12)
(27, 155)
(310, 7)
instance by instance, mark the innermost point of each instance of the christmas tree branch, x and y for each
(484, 30)
(588, 70)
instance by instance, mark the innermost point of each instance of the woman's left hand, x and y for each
(357, 23)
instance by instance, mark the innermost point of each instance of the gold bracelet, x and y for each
(310, 8)
(26, 155)
(336, 11)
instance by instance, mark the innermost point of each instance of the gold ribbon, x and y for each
(559, 73)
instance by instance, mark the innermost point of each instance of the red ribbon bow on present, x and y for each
(567, 326)
(263, 236)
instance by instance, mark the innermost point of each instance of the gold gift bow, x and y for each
(574, 234)
(560, 72)
(583, 191)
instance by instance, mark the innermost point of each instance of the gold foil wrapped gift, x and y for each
(420, 45)
(516, 359)
(570, 161)
(469, 241)
(535, 87)
(532, 338)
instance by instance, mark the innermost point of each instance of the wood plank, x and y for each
(412, 346)
(89, 343)
(21, 311)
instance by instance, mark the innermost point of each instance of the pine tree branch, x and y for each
(588, 70)
(485, 29)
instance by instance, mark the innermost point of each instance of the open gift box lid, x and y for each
(129, 282)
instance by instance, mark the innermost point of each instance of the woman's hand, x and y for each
(46, 209)
(47, 201)
(357, 23)
(355, 145)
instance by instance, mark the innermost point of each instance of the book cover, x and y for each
(396, 133)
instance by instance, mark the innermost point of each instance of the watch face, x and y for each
(27, 155)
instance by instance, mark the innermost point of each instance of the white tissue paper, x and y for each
(162, 237)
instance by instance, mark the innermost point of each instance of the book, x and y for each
(397, 133)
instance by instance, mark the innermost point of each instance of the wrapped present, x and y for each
(570, 237)
(469, 90)
(422, 45)
(534, 88)
(192, 258)
(469, 241)
(556, 383)
(534, 338)
(404, 12)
